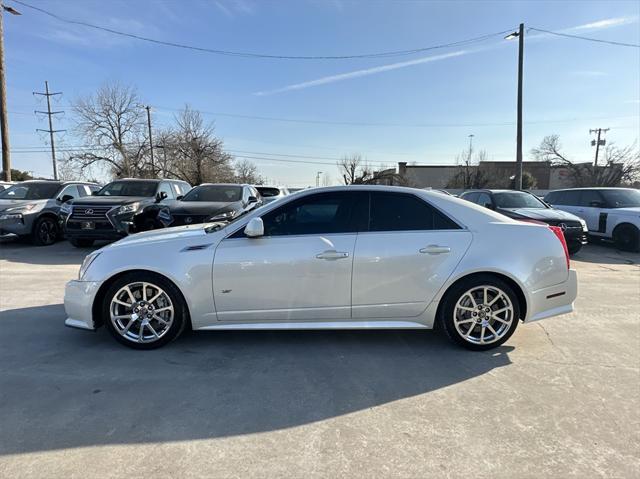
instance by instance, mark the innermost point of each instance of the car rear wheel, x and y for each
(144, 310)
(480, 313)
(81, 242)
(627, 238)
(45, 231)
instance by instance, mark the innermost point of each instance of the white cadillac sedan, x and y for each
(356, 257)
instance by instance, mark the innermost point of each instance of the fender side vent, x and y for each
(196, 247)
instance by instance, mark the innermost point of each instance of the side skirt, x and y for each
(316, 325)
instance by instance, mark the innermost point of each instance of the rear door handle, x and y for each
(332, 255)
(435, 249)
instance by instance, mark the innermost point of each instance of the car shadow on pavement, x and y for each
(605, 253)
(60, 253)
(63, 388)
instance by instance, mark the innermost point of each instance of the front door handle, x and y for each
(332, 255)
(435, 249)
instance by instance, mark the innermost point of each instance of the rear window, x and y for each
(268, 192)
(402, 212)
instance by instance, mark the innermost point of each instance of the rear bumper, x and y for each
(554, 300)
(78, 303)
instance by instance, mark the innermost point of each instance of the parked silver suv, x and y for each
(30, 209)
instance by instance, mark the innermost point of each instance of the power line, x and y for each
(578, 37)
(214, 51)
(50, 114)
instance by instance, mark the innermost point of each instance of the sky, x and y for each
(419, 108)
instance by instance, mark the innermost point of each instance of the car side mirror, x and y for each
(161, 195)
(179, 197)
(252, 199)
(254, 228)
(65, 198)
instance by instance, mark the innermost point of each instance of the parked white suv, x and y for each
(610, 213)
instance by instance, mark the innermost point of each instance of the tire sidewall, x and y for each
(180, 318)
(453, 295)
(626, 238)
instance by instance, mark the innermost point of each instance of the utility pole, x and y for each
(148, 108)
(598, 142)
(4, 121)
(520, 35)
(51, 131)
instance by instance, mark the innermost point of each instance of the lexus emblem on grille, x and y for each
(188, 219)
(88, 212)
(563, 226)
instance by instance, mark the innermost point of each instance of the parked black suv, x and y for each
(522, 205)
(211, 202)
(118, 209)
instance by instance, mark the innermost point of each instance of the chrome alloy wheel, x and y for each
(483, 315)
(141, 312)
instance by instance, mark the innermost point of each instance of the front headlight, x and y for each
(23, 208)
(128, 208)
(10, 216)
(90, 258)
(66, 209)
(229, 215)
(583, 223)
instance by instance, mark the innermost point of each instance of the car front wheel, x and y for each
(45, 231)
(144, 310)
(480, 313)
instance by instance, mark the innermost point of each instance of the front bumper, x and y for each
(575, 236)
(78, 303)
(554, 300)
(16, 226)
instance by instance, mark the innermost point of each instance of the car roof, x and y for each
(594, 188)
(491, 190)
(221, 184)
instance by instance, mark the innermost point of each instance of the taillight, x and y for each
(560, 235)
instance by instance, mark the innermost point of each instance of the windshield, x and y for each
(214, 193)
(622, 198)
(515, 199)
(129, 188)
(30, 191)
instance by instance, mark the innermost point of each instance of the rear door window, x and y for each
(405, 212)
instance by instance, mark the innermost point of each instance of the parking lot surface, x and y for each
(560, 399)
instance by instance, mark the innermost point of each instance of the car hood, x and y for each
(6, 204)
(110, 200)
(541, 214)
(202, 207)
(161, 235)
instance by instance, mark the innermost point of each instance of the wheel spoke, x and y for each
(465, 321)
(470, 330)
(166, 308)
(131, 297)
(466, 308)
(482, 334)
(158, 318)
(473, 301)
(141, 332)
(503, 321)
(498, 296)
(152, 300)
(153, 330)
(129, 324)
(502, 310)
(122, 316)
(484, 293)
(144, 291)
(128, 305)
(493, 331)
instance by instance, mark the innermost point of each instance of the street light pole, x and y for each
(148, 108)
(520, 35)
(4, 121)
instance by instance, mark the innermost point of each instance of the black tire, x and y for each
(81, 242)
(574, 247)
(460, 290)
(627, 238)
(180, 311)
(45, 231)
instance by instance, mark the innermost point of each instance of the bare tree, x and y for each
(355, 172)
(194, 153)
(247, 172)
(112, 124)
(469, 174)
(621, 165)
